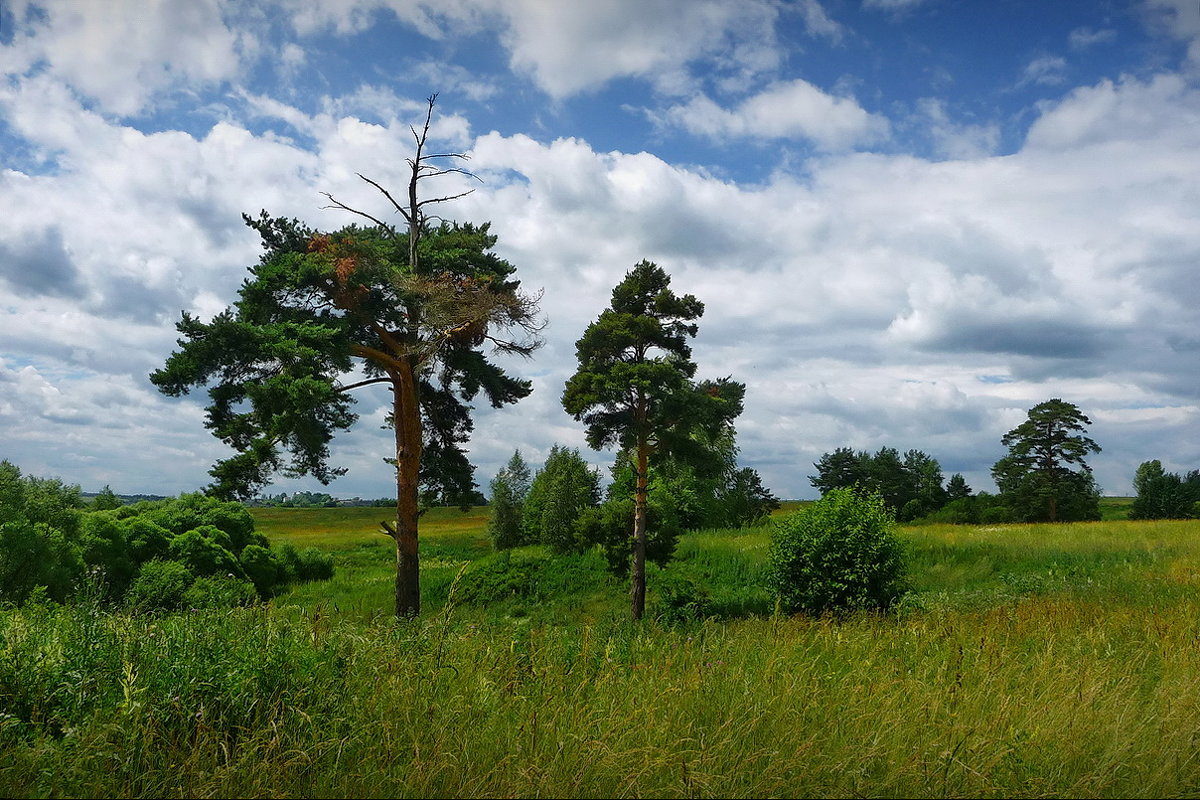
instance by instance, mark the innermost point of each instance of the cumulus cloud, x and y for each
(570, 48)
(144, 47)
(881, 299)
(785, 110)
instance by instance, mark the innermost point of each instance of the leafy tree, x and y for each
(323, 314)
(106, 500)
(1161, 494)
(634, 388)
(510, 487)
(840, 469)
(910, 484)
(1036, 478)
(957, 487)
(838, 555)
(561, 491)
(743, 500)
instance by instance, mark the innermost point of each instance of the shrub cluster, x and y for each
(188, 552)
(840, 554)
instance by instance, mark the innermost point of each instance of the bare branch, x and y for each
(340, 205)
(444, 199)
(386, 194)
(360, 384)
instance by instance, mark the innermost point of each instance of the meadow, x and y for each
(1028, 660)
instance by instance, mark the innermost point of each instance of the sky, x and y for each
(909, 221)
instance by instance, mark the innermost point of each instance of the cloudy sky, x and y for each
(910, 220)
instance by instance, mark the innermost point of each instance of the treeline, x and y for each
(193, 551)
(1044, 477)
(563, 507)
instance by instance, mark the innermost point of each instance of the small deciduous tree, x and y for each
(510, 487)
(563, 489)
(634, 388)
(1036, 478)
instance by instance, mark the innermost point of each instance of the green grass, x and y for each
(1030, 661)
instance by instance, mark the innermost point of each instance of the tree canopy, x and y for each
(1037, 479)
(634, 388)
(325, 313)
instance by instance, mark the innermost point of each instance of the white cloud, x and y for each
(1044, 71)
(953, 139)
(1085, 37)
(121, 53)
(567, 48)
(818, 22)
(1179, 19)
(786, 110)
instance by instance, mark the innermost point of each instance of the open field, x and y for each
(1028, 661)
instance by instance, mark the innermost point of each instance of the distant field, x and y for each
(343, 528)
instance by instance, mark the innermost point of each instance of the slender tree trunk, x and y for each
(407, 417)
(637, 588)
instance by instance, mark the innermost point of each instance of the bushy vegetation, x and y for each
(838, 555)
(1164, 495)
(149, 556)
(911, 485)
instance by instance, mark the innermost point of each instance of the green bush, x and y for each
(680, 599)
(159, 586)
(202, 555)
(314, 564)
(35, 555)
(220, 591)
(260, 568)
(838, 555)
(501, 577)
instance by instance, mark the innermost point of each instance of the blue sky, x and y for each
(910, 220)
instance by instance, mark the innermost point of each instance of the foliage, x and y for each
(911, 485)
(123, 550)
(106, 500)
(838, 555)
(220, 591)
(159, 586)
(413, 309)
(1035, 477)
(680, 599)
(634, 388)
(983, 508)
(957, 488)
(1162, 494)
(742, 500)
(610, 527)
(510, 488)
(561, 491)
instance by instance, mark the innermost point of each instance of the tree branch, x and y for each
(361, 384)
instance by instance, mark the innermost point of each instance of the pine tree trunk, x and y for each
(637, 589)
(407, 417)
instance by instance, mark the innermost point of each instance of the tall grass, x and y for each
(1030, 661)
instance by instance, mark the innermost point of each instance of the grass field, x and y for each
(1032, 661)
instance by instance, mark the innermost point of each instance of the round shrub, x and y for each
(204, 556)
(146, 539)
(159, 586)
(220, 591)
(839, 555)
(314, 564)
(260, 567)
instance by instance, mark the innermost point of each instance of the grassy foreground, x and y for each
(1028, 661)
